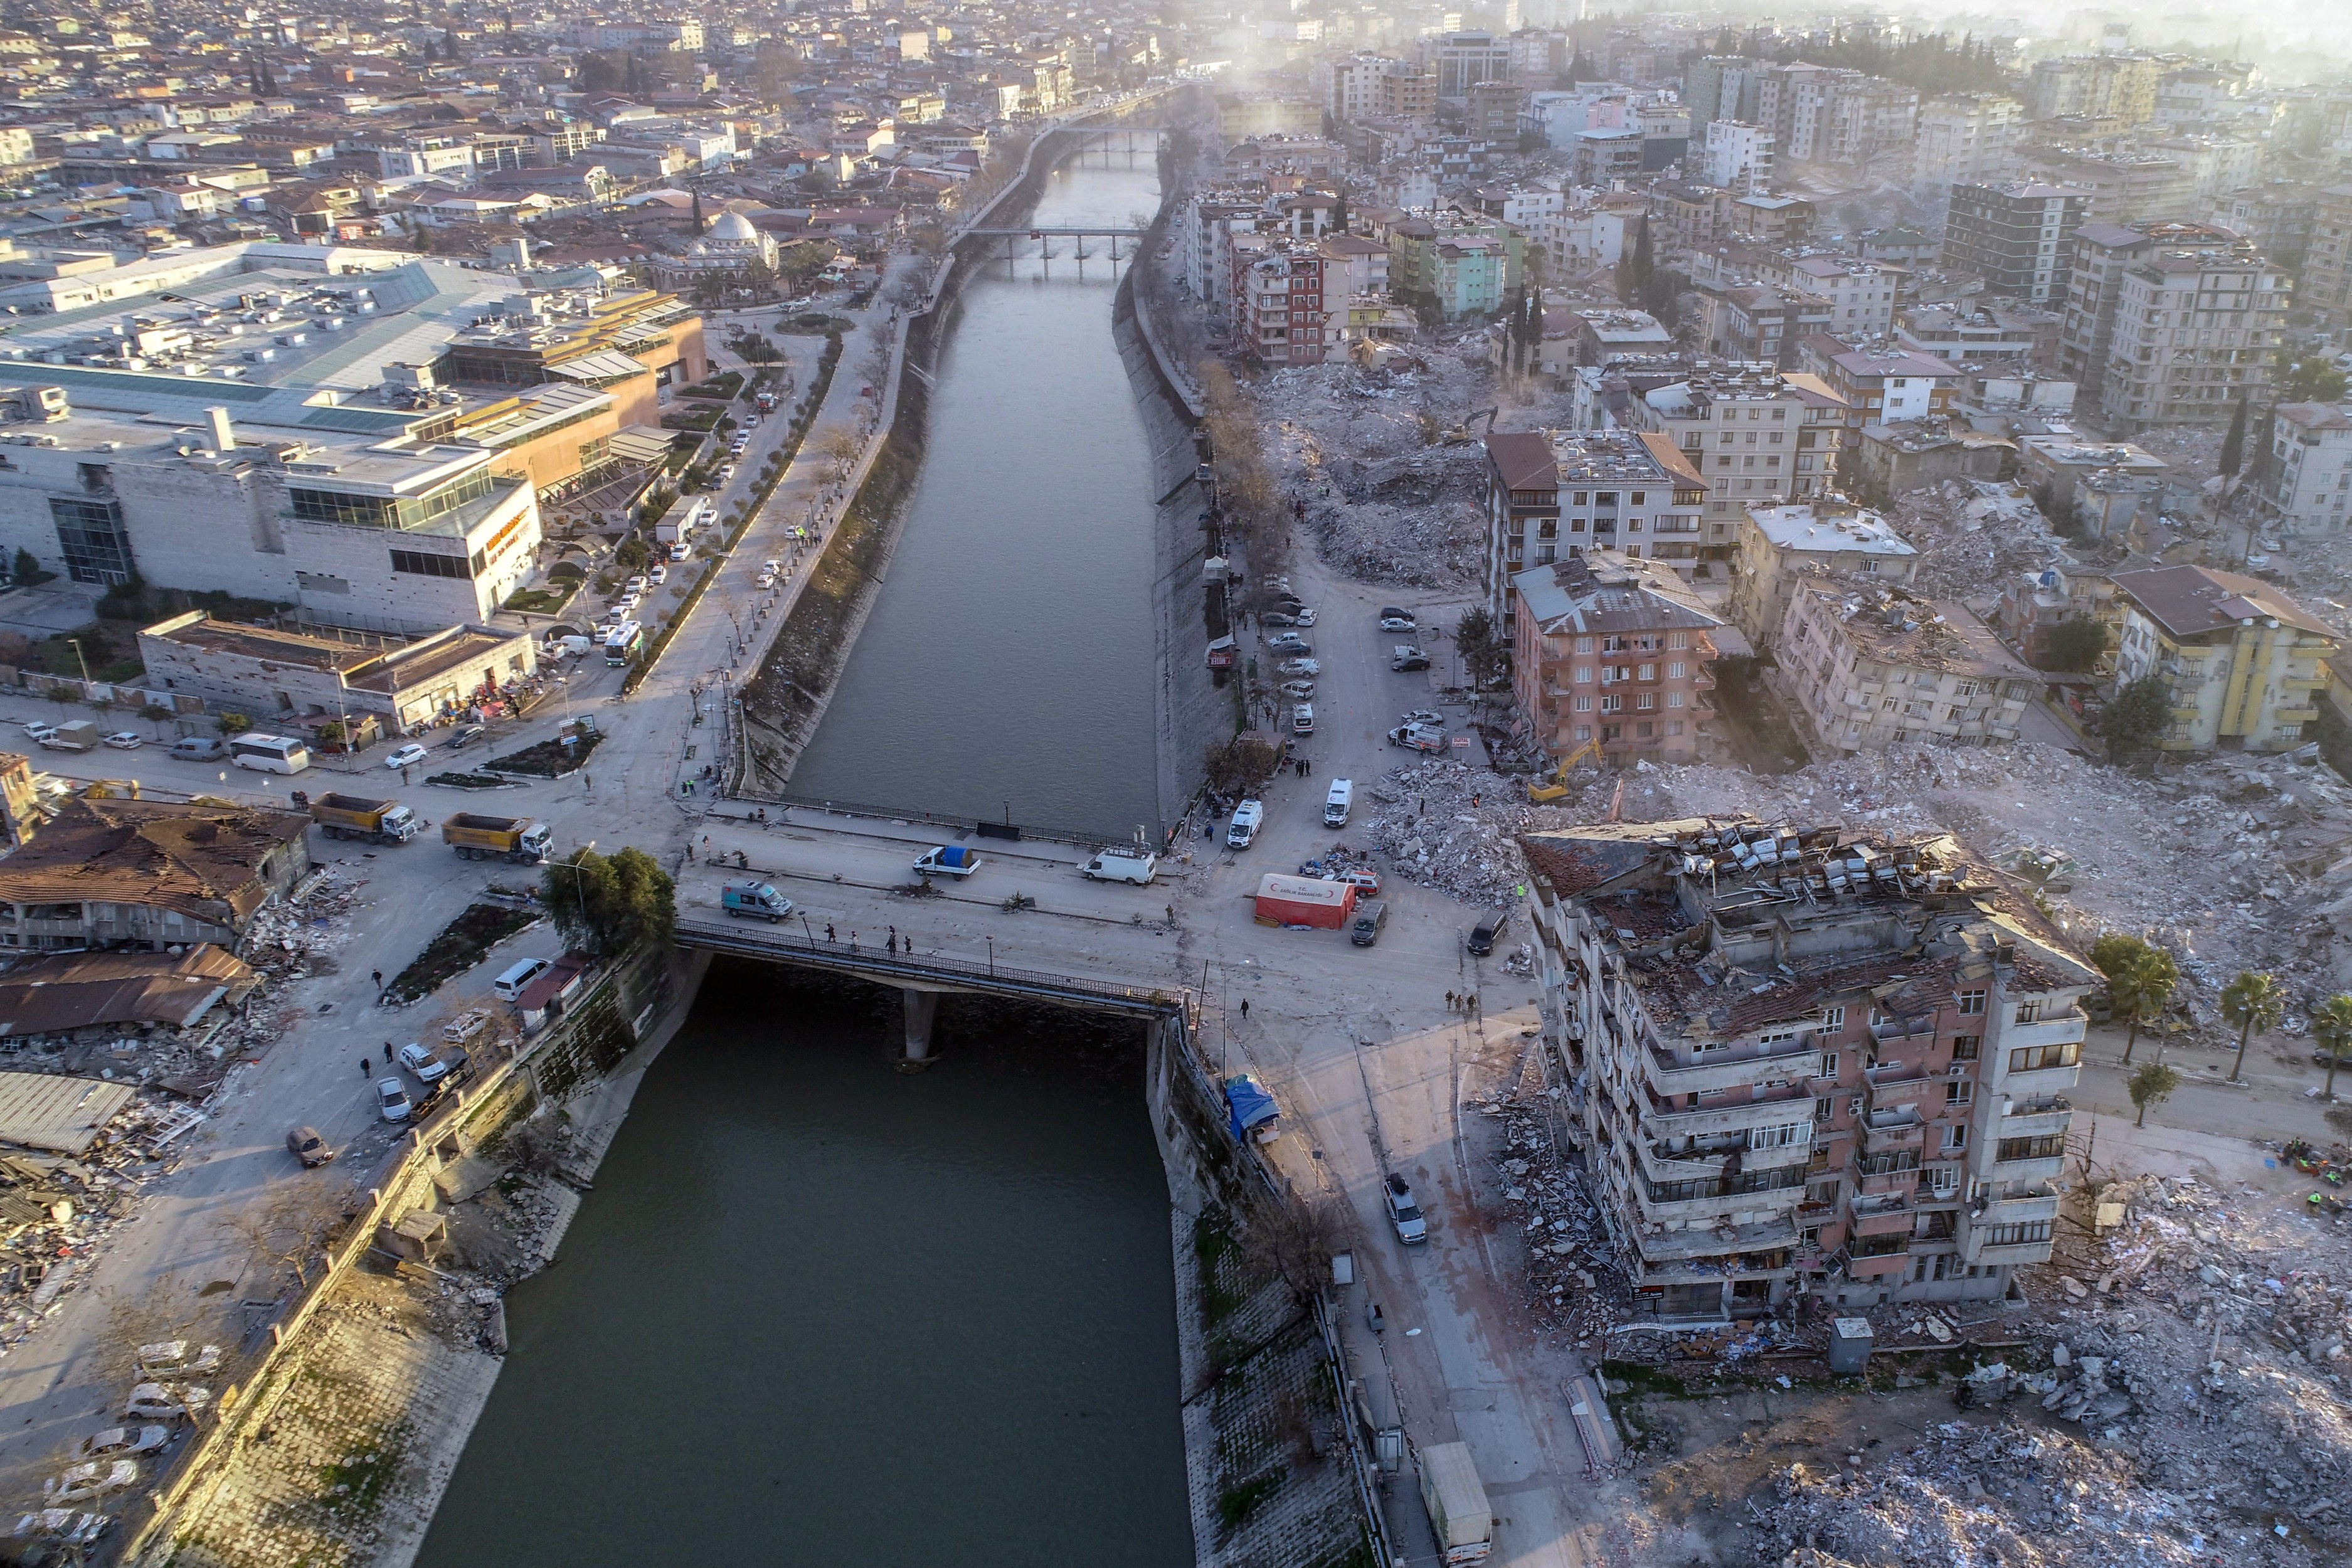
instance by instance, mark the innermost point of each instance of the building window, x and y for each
(1959, 1091)
(1674, 699)
(2028, 1012)
(2049, 1146)
(2019, 1234)
(1673, 726)
(1973, 1003)
(1833, 1020)
(2034, 1058)
(1956, 1139)
(418, 564)
(1584, 645)
(1584, 675)
(1966, 1046)
(96, 544)
(1829, 1065)
(1584, 704)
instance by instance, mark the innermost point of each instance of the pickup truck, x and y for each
(515, 838)
(355, 816)
(947, 860)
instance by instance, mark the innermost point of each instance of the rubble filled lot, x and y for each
(1975, 539)
(2230, 862)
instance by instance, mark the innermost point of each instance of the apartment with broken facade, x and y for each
(1807, 1060)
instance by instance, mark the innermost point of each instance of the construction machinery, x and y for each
(1545, 794)
(1457, 435)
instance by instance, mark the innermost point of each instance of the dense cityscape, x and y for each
(1253, 786)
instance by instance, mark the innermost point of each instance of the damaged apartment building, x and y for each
(1807, 1060)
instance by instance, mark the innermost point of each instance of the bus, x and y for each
(269, 754)
(628, 640)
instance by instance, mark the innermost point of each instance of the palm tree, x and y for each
(2331, 1025)
(2141, 989)
(2252, 1001)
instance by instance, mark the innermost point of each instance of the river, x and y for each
(1006, 667)
(819, 1311)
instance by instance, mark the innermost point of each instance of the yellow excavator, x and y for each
(1545, 794)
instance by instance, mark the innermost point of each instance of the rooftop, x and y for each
(189, 858)
(1825, 527)
(2196, 601)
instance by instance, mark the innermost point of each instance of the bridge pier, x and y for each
(922, 1008)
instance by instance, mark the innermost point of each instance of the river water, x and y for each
(816, 1312)
(1006, 667)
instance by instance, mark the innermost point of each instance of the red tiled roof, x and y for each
(1524, 461)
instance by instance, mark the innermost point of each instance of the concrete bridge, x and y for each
(921, 981)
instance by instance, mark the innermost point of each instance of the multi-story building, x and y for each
(2326, 288)
(1861, 293)
(2124, 187)
(1278, 308)
(1777, 545)
(2094, 288)
(1464, 268)
(1867, 664)
(2197, 329)
(1204, 227)
(1611, 657)
(1762, 322)
(1883, 387)
(1739, 156)
(1810, 1060)
(2094, 86)
(2055, 467)
(2275, 216)
(1719, 86)
(2242, 662)
(1462, 60)
(2307, 485)
(2016, 237)
(1868, 119)
(1756, 435)
(1966, 138)
(1552, 494)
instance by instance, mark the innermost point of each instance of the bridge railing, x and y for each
(782, 942)
(1091, 839)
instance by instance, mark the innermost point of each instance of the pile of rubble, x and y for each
(2010, 1493)
(1424, 821)
(1385, 466)
(1570, 1268)
(1974, 538)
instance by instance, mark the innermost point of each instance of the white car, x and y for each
(126, 741)
(127, 1441)
(85, 1481)
(660, 573)
(41, 733)
(408, 756)
(1399, 624)
(420, 1060)
(1299, 667)
(391, 1099)
(162, 1402)
(636, 584)
(628, 601)
(767, 579)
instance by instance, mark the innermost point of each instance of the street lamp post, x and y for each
(991, 958)
(83, 662)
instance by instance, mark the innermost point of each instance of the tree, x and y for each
(2137, 717)
(1240, 765)
(1635, 271)
(2152, 1085)
(630, 553)
(2139, 987)
(2074, 644)
(2233, 445)
(155, 713)
(24, 569)
(2331, 1025)
(234, 723)
(2309, 379)
(697, 211)
(1482, 648)
(1293, 1242)
(2252, 1001)
(610, 906)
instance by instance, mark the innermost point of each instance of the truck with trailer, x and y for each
(516, 839)
(355, 816)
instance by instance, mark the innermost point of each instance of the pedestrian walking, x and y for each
(894, 939)
(1449, 1001)
(364, 1070)
(853, 941)
(1245, 1009)
(377, 976)
(828, 933)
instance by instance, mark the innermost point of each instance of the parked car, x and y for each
(305, 1144)
(1403, 1212)
(766, 579)
(1287, 642)
(178, 1358)
(420, 1060)
(1429, 716)
(1398, 611)
(628, 602)
(1399, 624)
(199, 748)
(125, 1441)
(41, 733)
(636, 584)
(126, 740)
(660, 573)
(84, 1482)
(1276, 618)
(1302, 617)
(1418, 738)
(392, 1099)
(406, 756)
(1407, 656)
(1298, 689)
(1298, 667)
(160, 1402)
(467, 735)
(1489, 929)
(1302, 718)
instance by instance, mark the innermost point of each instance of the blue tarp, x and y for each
(1247, 1105)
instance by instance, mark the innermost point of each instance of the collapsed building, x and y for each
(1807, 1062)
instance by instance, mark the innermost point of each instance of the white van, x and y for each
(1242, 831)
(513, 983)
(1336, 803)
(1122, 864)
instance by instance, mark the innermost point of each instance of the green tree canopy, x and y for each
(2137, 717)
(2331, 1025)
(2152, 1085)
(2075, 643)
(2309, 378)
(2252, 1001)
(610, 906)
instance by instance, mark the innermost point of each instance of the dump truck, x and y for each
(355, 816)
(515, 838)
(1456, 1503)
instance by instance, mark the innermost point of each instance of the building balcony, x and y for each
(1878, 1265)
(1892, 1131)
(1775, 1108)
(2035, 1117)
(1987, 1254)
(1733, 1066)
(1883, 1214)
(2068, 1029)
(2047, 1169)
(1721, 1241)
(1898, 1029)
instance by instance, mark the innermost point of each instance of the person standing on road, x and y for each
(363, 1066)
(1245, 1009)
(377, 976)
(828, 934)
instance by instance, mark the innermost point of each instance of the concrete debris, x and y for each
(1573, 1282)
(1974, 538)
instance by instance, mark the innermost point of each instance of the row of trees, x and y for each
(2141, 978)
(1932, 62)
